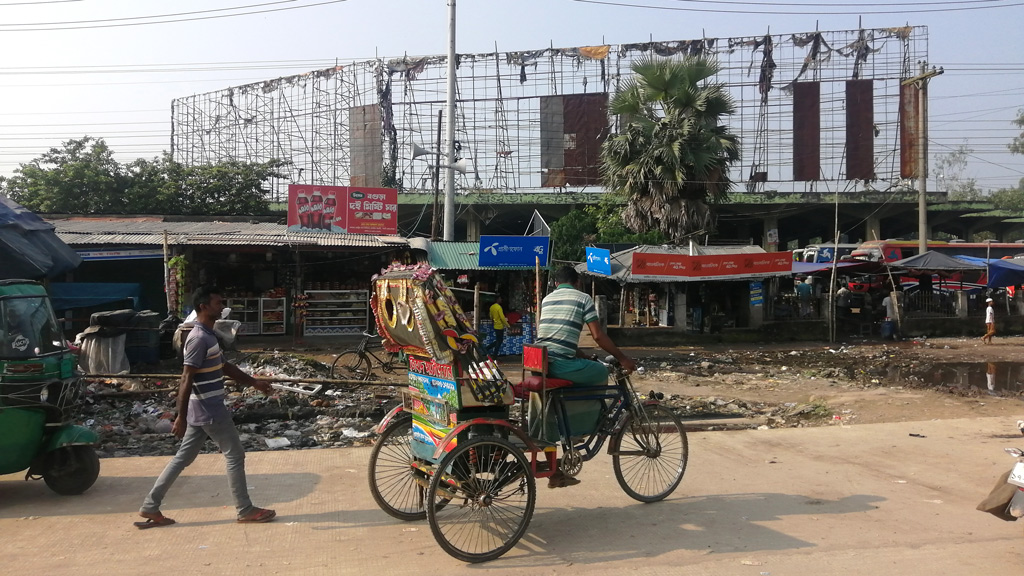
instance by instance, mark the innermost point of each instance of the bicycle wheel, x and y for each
(490, 494)
(651, 454)
(393, 482)
(351, 365)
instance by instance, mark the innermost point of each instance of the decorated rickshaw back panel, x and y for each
(450, 379)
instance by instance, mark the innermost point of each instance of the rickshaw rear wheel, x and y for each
(393, 483)
(490, 495)
(651, 453)
(71, 470)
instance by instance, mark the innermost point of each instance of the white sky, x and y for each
(117, 82)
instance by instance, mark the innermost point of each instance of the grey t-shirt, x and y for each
(202, 351)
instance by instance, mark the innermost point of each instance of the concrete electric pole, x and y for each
(921, 83)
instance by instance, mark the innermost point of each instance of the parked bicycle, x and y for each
(357, 364)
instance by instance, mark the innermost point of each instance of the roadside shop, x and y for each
(693, 289)
(276, 281)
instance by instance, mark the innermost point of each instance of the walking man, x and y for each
(500, 323)
(202, 415)
(990, 322)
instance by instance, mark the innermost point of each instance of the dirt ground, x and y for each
(801, 384)
(717, 387)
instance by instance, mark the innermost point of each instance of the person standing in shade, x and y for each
(990, 322)
(500, 324)
(803, 292)
(202, 414)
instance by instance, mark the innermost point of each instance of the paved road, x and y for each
(862, 499)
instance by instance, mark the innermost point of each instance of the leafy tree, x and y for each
(607, 215)
(229, 187)
(570, 234)
(1011, 199)
(82, 177)
(1017, 146)
(672, 155)
(950, 169)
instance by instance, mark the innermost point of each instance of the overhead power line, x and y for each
(800, 12)
(171, 18)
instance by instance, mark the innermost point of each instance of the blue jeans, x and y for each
(225, 436)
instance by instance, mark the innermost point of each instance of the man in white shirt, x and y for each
(990, 322)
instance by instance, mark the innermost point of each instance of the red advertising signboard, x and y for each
(659, 267)
(350, 209)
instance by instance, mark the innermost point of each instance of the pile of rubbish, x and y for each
(134, 415)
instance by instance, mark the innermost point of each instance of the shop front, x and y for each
(696, 289)
(477, 288)
(276, 281)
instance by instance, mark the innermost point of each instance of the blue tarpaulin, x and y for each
(70, 295)
(29, 248)
(1001, 273)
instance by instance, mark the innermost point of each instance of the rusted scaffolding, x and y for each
(533, 120)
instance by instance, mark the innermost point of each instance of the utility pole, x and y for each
(449, 183)
(435, 215)
(921, 83)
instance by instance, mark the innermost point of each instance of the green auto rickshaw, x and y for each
(38, 388)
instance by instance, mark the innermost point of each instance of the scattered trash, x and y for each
(277, 442)
(918, 435)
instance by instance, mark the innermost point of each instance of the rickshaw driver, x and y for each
(563, 314)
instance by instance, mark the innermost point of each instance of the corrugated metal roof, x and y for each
(150, 232)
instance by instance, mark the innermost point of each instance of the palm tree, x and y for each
(671, 156)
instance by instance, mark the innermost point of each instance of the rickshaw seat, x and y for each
(535, 360)
(538, 384)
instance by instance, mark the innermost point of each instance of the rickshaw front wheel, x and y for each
(71, 470)
(651, 453)
(490, 495)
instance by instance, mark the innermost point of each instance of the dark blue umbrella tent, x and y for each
(29, 248)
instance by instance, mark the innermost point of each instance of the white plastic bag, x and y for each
(103, 355)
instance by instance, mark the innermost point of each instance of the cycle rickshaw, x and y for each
(453, 453)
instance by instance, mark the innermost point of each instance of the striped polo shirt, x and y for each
(202, 351)
(563, 313)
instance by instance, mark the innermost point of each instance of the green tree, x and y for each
(1017, 146)
(611, 229)
(672, 155)
(570, 234)
(950, 172)
(1011, 199)
(228, 187)
(82, 177)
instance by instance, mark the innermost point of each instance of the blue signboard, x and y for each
(513, 250)
(599, 261)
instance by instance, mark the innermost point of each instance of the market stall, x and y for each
(694, 288)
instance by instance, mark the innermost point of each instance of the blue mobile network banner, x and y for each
(513, 250)
(599, 261)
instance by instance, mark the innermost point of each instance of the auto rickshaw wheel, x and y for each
(71, 470)
(489, 493)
